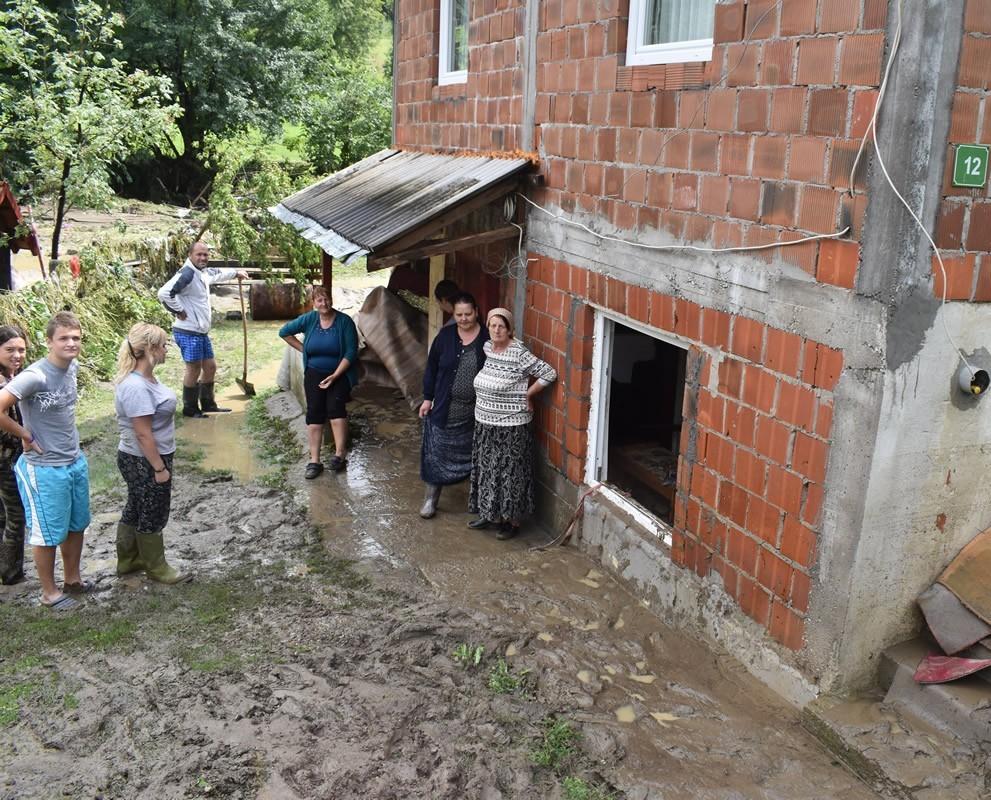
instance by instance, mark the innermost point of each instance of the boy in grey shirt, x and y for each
(52, 475)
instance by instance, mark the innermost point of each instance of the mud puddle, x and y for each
(221, 439)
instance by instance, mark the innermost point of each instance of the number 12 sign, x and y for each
(970, 165)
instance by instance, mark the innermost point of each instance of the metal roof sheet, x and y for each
(363, 207)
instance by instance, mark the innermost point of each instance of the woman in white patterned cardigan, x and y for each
(502, 450)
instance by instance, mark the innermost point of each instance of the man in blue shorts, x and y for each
(52, 475)
(187, 298)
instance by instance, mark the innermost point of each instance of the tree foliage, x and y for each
(248, 182)
(70, 108)
(349, 118)
(241, 64)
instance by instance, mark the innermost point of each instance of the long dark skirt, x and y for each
(445, 455)
(502, 473)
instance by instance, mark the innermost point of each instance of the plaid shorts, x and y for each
(193, 346)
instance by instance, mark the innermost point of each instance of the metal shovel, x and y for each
(247, 388)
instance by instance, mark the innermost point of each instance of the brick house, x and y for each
(759, 393)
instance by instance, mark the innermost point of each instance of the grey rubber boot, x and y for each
(128, 560)
(151, 546)
(430, 500)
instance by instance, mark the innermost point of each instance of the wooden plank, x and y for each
(417, 235)
(435, 315)
(430, 250)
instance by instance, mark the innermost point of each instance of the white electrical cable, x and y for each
(872, 132)
(692, 247)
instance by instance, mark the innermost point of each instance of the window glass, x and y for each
(670, 31)
(678, 20)
(459, 35)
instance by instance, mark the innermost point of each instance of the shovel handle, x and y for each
(244, 325)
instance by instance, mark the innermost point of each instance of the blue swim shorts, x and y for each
(193, 346)
(55, 498)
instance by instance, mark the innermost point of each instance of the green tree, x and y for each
(70, 108)
(238, 64)
(249, 180)
(349, 118)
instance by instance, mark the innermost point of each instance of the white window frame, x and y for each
(597, 455)
(446, 76)
(667, 53)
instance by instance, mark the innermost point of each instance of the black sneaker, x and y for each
(337, 463)
(313, 469)
(479, 524)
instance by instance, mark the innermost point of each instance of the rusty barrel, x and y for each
(278, 301)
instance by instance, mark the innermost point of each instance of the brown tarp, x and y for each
(969, 576)
(395, 344)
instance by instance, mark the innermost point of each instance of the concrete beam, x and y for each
(782, 295)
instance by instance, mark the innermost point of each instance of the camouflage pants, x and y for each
(12, 523)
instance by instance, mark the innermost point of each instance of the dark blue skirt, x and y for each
(445, 455)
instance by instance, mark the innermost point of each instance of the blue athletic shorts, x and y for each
(56, 499)
(193, 346)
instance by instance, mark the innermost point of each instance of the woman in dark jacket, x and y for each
(448, 408)
(330, 372)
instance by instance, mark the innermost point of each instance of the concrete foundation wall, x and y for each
(699, 605)
(927, 494)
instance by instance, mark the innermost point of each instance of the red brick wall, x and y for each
(753, 147)
(749, 501)
(963, 226)
(482, 114)
(758, 150)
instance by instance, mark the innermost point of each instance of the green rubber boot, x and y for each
(128, 559)
(151, 546)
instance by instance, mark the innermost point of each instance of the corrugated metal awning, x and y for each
(362, 208)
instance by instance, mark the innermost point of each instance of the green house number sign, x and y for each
(970, 165)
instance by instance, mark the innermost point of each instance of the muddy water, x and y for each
(682, 720)
(221, 437)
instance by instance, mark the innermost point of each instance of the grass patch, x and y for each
(467, 655)
(10, 701)
(558, 746)
(273, 439)
(502, 679)
(580, 789)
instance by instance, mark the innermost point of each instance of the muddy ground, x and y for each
(335, 645)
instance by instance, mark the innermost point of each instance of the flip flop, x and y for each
(79, 588)
(64, 603)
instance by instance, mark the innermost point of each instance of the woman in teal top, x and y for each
(330, 372)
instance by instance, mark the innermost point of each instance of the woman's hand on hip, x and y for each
(163, 477)
(425, 408)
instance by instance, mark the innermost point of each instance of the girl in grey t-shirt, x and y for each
(146, 418)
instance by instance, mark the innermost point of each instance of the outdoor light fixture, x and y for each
(973, 381)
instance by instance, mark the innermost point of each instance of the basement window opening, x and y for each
(637, 416)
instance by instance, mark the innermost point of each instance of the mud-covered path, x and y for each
(671, 717)
(314, 657)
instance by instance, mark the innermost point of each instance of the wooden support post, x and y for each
(327, 263)
(435, 318)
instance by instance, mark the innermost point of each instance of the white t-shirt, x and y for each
(139, 397)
